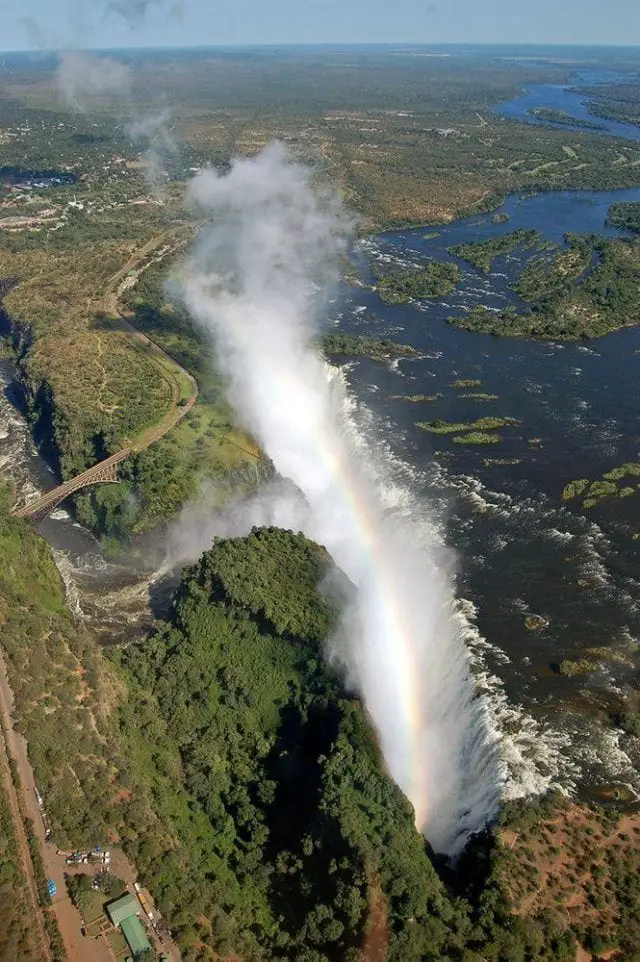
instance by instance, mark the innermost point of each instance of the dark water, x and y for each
(555, 97)
(522, 551)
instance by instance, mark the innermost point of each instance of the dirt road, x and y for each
(38, 932)
(78, 948)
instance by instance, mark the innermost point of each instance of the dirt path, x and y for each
(6, 702)
(375, 947)
(183, 386)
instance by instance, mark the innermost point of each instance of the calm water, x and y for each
(555, 97)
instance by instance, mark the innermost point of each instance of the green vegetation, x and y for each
(205, 444)
(550, 116)
(608, 486)
(615, 102)
(626, 216)
(479, 396)
(477, 437)
(402, 286)
(246, 784)
(467, 382)
(415, 398)
(358, 345)
(18, 939)
(566, 303)
(582, 666)
(482, 254)
(481, 424)
(551, 275)
(574, 489)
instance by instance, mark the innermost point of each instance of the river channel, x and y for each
(521, 551)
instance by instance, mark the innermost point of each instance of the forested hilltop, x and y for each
(246, 784)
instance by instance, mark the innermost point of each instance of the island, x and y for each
(585, 289)
(402, 286)
(550, 116)
(482, 254)
(360, 345)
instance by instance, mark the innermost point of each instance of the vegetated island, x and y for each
(360, 345)
(550, 116)
(584, 290)
(607, 487)
(477, 437)
(625, 215)
(416, 398)
(482, 254)
(435, 279)
(456, 427)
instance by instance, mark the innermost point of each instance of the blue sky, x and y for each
(91, 23)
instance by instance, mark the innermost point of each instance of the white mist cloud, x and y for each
(81, 77)
(154, 130)
(255, 281)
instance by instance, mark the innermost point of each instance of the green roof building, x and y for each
(133, 931)
(123, 908)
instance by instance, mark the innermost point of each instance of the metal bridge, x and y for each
(105, 472)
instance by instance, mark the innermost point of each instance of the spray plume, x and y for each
(255, 281)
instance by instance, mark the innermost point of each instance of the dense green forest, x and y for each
(432, 280)
(248, 788)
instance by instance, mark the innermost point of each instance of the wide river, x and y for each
(521, 551)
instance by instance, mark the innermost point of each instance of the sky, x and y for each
(54, 24)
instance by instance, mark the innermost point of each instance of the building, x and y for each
(124, 914)
(122, 908)
(135, 935)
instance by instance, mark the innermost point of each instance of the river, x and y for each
(569, 100)
(521, 550)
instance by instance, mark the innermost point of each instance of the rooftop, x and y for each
(123, 908)
(133, 931)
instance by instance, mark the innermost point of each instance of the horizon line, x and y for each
(407, 44)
